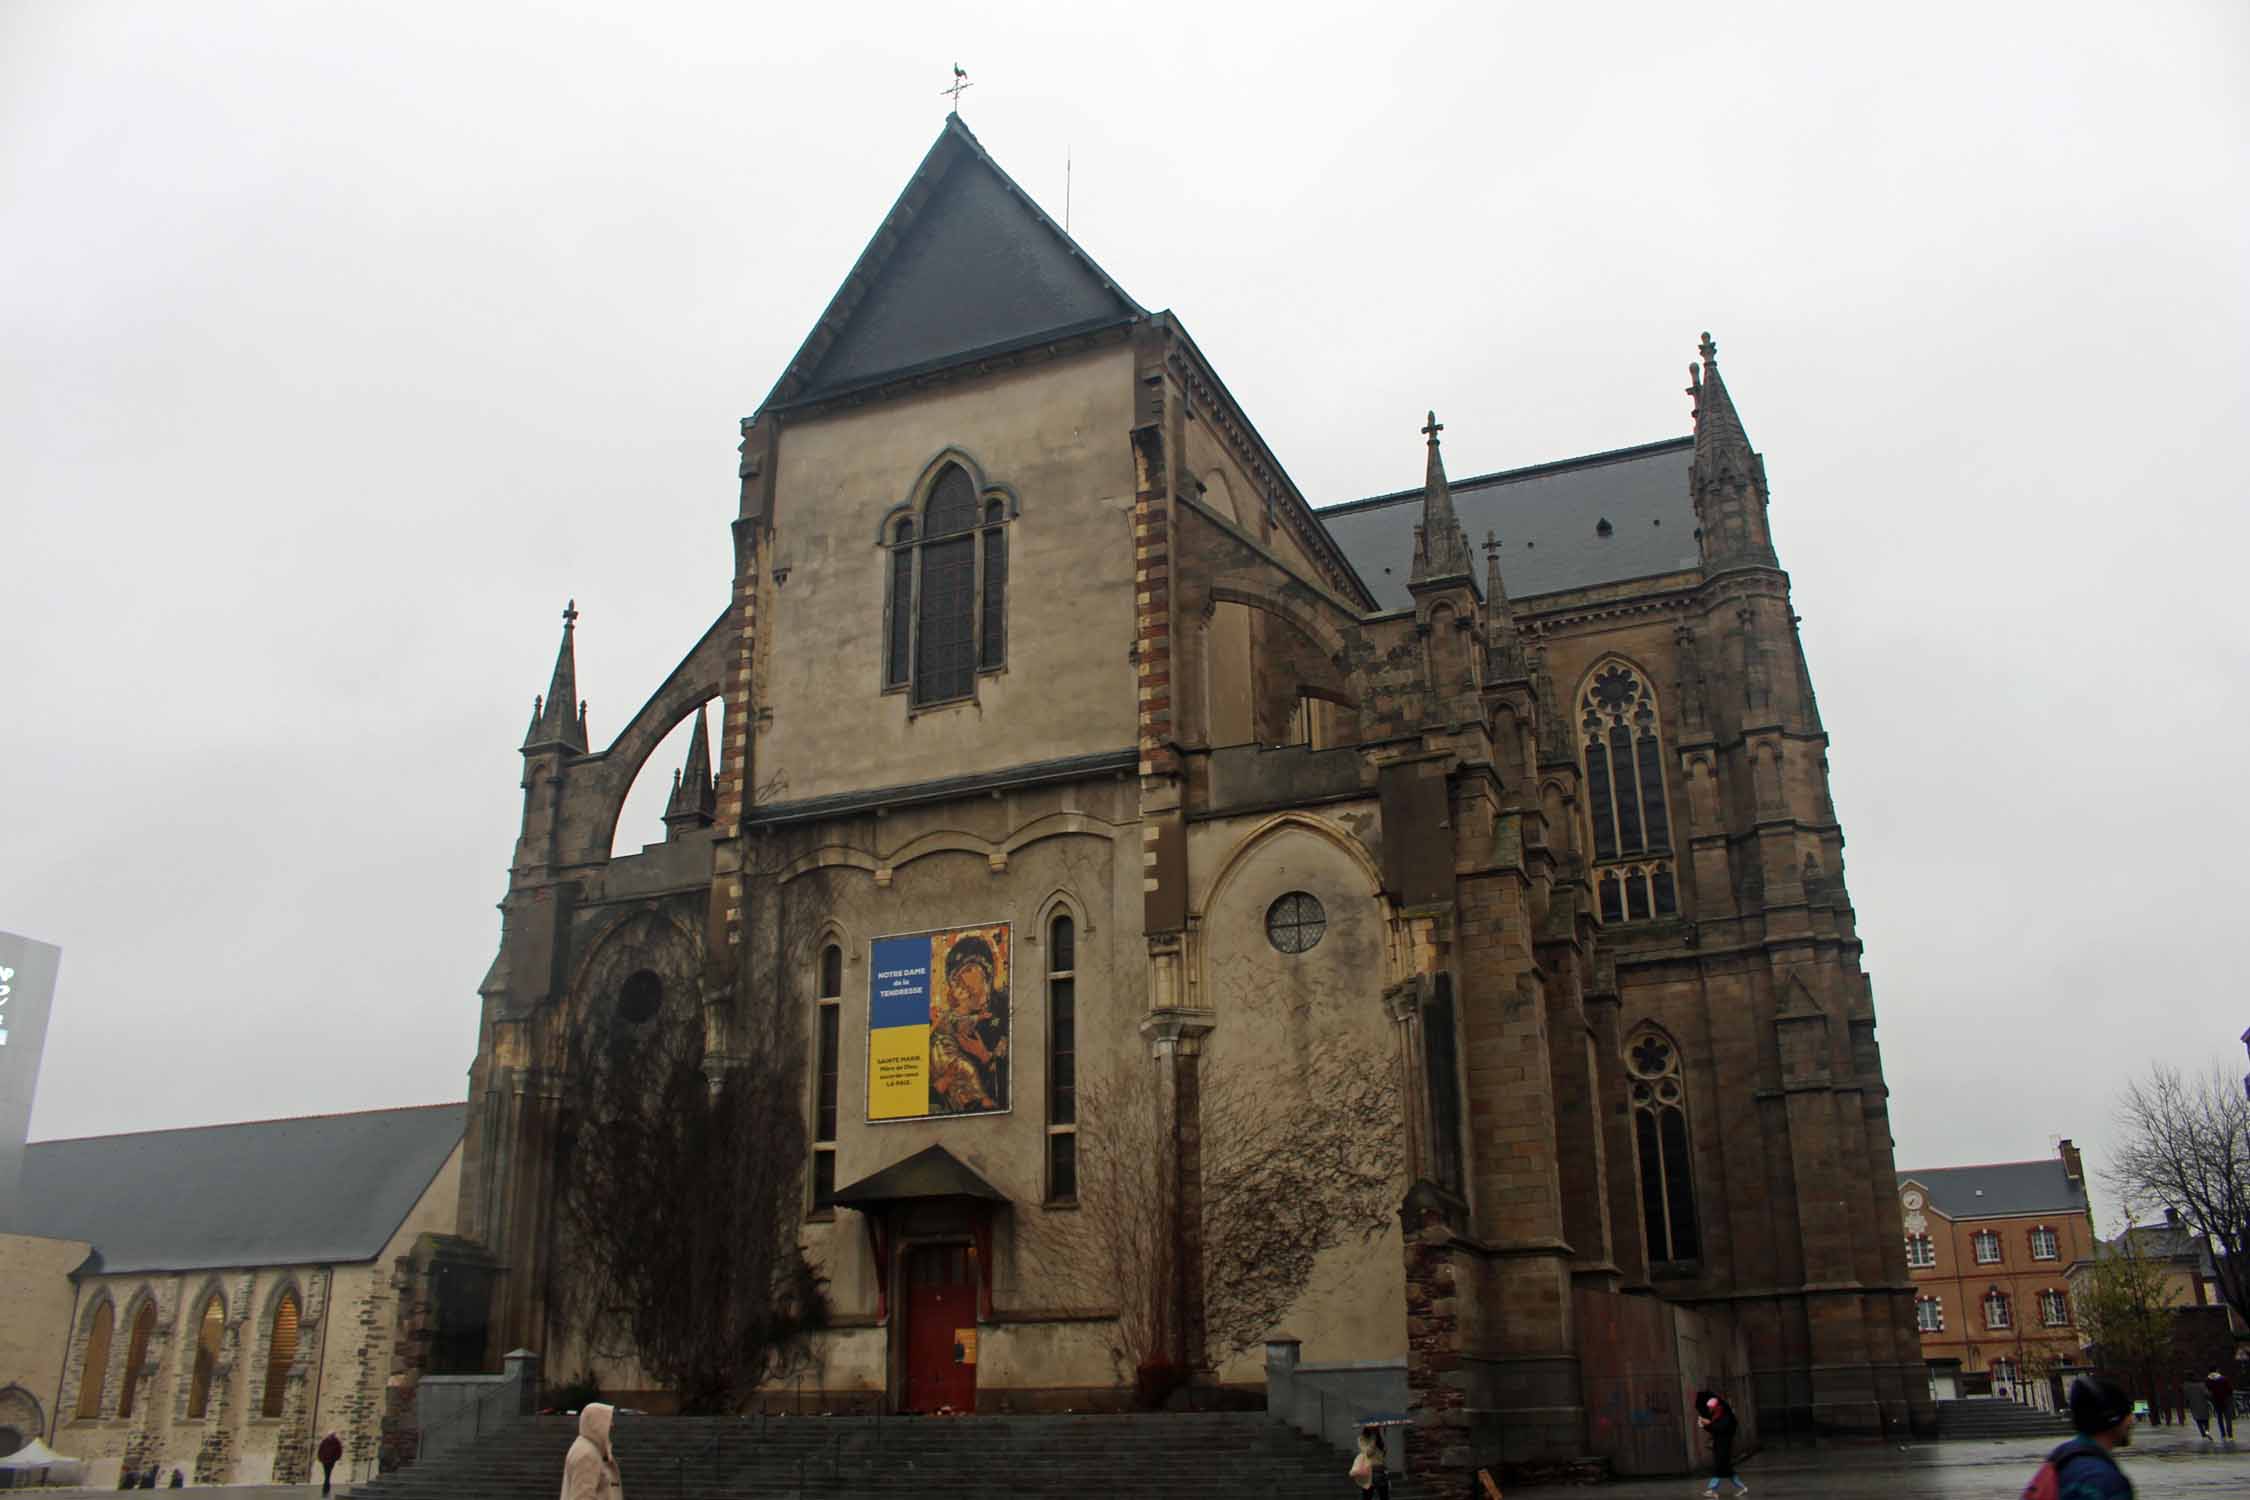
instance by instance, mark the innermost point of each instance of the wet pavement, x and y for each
(2160, 1463)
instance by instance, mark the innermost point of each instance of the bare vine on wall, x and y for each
(680, 1201)
(1291, 1169)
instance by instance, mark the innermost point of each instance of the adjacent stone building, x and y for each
(1991, 1250)
(214, 1300)
(1478, 834)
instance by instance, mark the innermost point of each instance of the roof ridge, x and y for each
(1525, 471)
(2034, 1161)
(338, 1114)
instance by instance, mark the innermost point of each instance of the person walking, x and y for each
(330, 1453)
(590, 1470)
(2198, 1396)
(2085, 1468)
(1371, 1470)
(2222, 1404)
(1717, 1420)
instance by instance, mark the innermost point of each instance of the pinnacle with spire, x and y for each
(1722, 448)
(1441, 552)
(1726, 479)
(553, 721)
(695, 797)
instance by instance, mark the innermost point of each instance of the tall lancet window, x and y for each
(1660, 1140)
(948, 606)
(1622, 740)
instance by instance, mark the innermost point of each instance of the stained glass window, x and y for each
(948, 609)
(1628, 815)
(1658, 1093)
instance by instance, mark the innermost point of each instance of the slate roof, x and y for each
(932, 1172)
(964, 264)
(2009, 1187)
(1547, 517)
(310, 1191)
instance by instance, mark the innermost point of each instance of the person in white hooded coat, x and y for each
(590, 1472)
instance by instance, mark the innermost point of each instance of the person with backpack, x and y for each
(2085, 1468)
(1717, 1420)
(2222, 1404)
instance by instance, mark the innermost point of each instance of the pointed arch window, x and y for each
(828, 1025)
(1621, 739)
(136, 1357)
(210, 1328)
(1062, 1060)
(96, 1371)
(948, 583)
(1661, 1141)
(281, 1355)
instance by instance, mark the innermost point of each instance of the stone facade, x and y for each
(1204, 727)
(349, 1348)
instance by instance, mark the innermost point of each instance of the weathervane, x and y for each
(960, 82)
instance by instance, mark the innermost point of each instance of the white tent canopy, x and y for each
(35, 1456)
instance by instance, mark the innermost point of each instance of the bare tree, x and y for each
(1286, 1176)
(682, 1179)
(2185, 1144)
(2125, 1309)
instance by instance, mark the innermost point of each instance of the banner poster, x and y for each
(937, 1024)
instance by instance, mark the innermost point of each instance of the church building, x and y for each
(1413, 930)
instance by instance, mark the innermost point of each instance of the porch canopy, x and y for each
(933, 1172)
(932, 1192)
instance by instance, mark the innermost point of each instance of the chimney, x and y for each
(2171, 1217)
(2074, 1167)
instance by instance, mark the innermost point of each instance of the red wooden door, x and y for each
(941, 1307)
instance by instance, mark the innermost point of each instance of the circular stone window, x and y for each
(1295, 922)
(641, 998)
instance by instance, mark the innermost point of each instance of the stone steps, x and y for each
(1991, 1417)
(858, 1458)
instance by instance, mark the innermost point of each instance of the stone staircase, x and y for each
(1976, 1417)
(1238, 1454)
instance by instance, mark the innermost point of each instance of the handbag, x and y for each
(1363, 1471)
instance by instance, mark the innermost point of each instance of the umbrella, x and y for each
(1385, 1419)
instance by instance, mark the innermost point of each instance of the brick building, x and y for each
(1509, 794)
(1990, 1250)
(214, 1300)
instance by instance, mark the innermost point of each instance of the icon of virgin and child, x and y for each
(969, 1024)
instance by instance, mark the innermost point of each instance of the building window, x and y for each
(1623, 747)
(2004, 1372)
(1996, 1310)
(1294, 924)
(1929, 1315)
(136, 1356)
(1660, 1134)
(1921, 1251)
(948, 586)
(1062, 1060)
(281, 1354)
(1988, 1248)
(2044, 1245)
(2054, 1308)
(209, 1330)
(1441, 1061)
(96, 1372)
(828, 1023)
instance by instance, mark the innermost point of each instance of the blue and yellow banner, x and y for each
(937, 1024)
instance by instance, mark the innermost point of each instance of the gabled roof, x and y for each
(932, 1172)
(964, 265)
(1548, 518)
(318, 1190)
(2003, 1188)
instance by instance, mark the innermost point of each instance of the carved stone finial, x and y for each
(1432, 429)
(570, 614)
(1709, 349)
(1491, 544)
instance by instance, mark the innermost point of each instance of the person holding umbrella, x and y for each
(1717, 1420)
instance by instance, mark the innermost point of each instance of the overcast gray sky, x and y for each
(340, 344)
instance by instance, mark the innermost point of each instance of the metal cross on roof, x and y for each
(960, 82)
